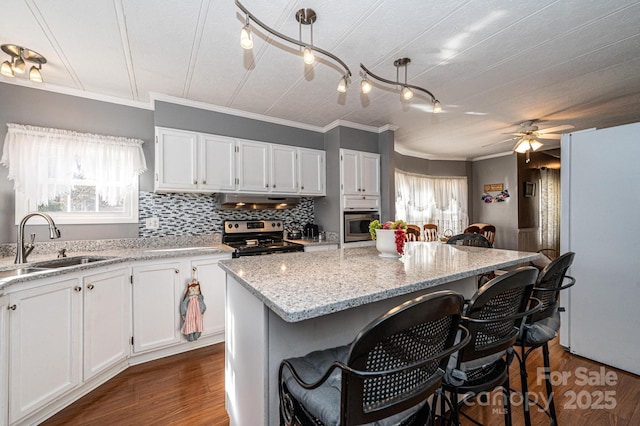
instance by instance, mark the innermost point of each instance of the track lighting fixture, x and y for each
(304, 17)
(18, 65)
(407, 89)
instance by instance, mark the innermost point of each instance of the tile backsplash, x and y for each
(200, 214)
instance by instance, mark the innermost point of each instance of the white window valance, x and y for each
(44, 162)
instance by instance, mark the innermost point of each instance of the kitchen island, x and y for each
(287, 305)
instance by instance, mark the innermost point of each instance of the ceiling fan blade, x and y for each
(550, 136)
(556, 129)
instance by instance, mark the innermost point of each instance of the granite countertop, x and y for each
(313, 241)
(113, 255)
(299, 286)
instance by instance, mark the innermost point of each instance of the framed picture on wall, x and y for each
(529, 189)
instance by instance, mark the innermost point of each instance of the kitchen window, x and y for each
(442, 200)
(78, 178)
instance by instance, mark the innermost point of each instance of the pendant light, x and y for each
(304, 17)
(407, 91)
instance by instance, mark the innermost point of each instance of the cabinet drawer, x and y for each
(361, 202)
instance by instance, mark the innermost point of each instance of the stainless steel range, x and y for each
(257, 237)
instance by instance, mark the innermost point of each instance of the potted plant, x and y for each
(389, 237)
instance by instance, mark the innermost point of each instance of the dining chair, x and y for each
(430, 232)
(471, 229)
(385, 375)
(493, 317)
(542, 327)
(468, 239)
(413, 233)
(489, 232)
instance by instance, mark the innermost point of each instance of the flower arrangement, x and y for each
(399, 226)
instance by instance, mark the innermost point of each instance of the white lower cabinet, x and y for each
(4, 358)
(45, 345)
(212, 285)
(156, 294)
(107, 320)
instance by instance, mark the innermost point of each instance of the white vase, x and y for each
(386, 243)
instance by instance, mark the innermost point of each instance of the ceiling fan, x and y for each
(529, 135)
(528, 138)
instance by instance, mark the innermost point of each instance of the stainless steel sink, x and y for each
(70, 261)
(21, 271)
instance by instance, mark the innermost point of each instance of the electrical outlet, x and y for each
(152, 223)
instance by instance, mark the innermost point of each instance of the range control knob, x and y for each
(235, 226)
(273, 225)
(279, 224)
(229, 226)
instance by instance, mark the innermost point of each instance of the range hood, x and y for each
(256, 202)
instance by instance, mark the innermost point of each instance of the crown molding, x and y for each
(48, 87)
(357, 126)
(410, 153)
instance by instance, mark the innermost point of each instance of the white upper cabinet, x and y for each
(253, 166)
(217, 163)
(284, 167)
(193, 162)
(360, 173)
(311, 171)
(175, 163)
(198, 162)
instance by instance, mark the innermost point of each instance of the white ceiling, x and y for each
(491, 63)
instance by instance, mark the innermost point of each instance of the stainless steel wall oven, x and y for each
(356, 225)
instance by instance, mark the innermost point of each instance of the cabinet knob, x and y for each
(274, 185)
(90, 286)
(364, 197)
(266, 186)
(77, 288)
(195, 182)
(177, 271)
(12, 307)
(204, 182)
(302, 187)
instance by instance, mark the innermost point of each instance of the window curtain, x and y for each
(44, 162)
(442, 200)
(550, 208)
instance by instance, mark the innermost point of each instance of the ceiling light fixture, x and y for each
(304, 17)
(407, 89)
(526, 145)
(17, 65)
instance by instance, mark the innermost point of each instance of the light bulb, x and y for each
(19, 66)
(308, 56)
(35, 75)
(6, 70)
(245, 38)
(535, 145)
(365, 86)
(523, 146)
(407, 93)
(342, 85)
(437, 108)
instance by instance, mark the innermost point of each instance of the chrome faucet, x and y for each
(21, 251)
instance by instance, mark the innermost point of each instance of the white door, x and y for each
(253, 166)
(370, 173)
(156, 316)
(217, 163)
(175, 163)
(312, 172)
(45, 345)
(212, 285)
(283, 169)
(107, 320)
(4, 358)
(350, 172)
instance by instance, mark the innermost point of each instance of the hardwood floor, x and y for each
(188, 389)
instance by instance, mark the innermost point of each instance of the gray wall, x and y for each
(387, 176)
(24, 105)
(327, 209)
(503, 215)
